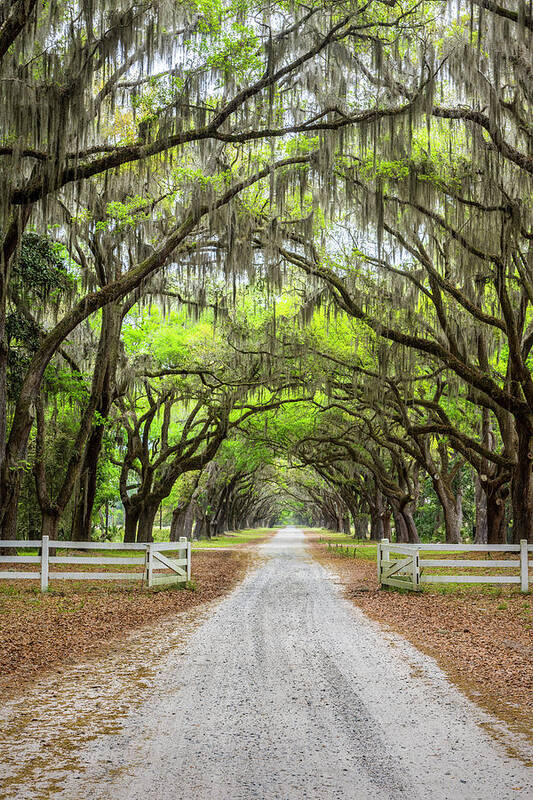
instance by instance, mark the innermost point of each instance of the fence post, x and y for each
(188, 556)
(383, 555)
(416, 570)
(149, 565)
(524, 566)
(44, 563)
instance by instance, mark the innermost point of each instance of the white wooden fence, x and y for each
(150, 557)
(401, 564)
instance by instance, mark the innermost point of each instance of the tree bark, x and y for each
(346, 524)
(482, 526)
(10, 479)
(386, 524)
(50, 523)
(496, 499)
(200, 525)
(452, 507)
(360, 524)
(404, 523)
(412, 533)
(376, 506)
(107, 366)
(82, 519)
(131, 520)
(402, 534)
(522, 485)
(376, 525)
(182, 522)
(146, 523)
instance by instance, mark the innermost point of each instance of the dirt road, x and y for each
(285, 691)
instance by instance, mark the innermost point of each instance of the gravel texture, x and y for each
(286, 691)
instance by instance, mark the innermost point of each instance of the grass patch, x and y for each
(471, 589)
(239, 537)
(337, 538)
(355, 549)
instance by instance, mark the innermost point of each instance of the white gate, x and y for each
(180, 567)
(398, 565)
(401, 564)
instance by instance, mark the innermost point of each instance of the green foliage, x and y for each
(40, 275)
(40, 268)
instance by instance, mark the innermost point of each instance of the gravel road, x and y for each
(286, 691)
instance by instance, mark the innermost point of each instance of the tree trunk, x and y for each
(10, 491)
(496, 506)
(4, 354)
(200, 524)
(222, 525)
(9, 527)
(360, 524)
(346, 524)
(131, 520)
(146, 523)
(522, 486)
(182, 522)
(107, 367)
(482, 527)
(376, 525)
(386, 524)
(82, 521)
(452, 508)
(50, 524)
(404, 523)
(412, 533)
(377, 508)
(402, 534)
(10, 478)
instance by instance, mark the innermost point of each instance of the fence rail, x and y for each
(151, 559)
(401, 565)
